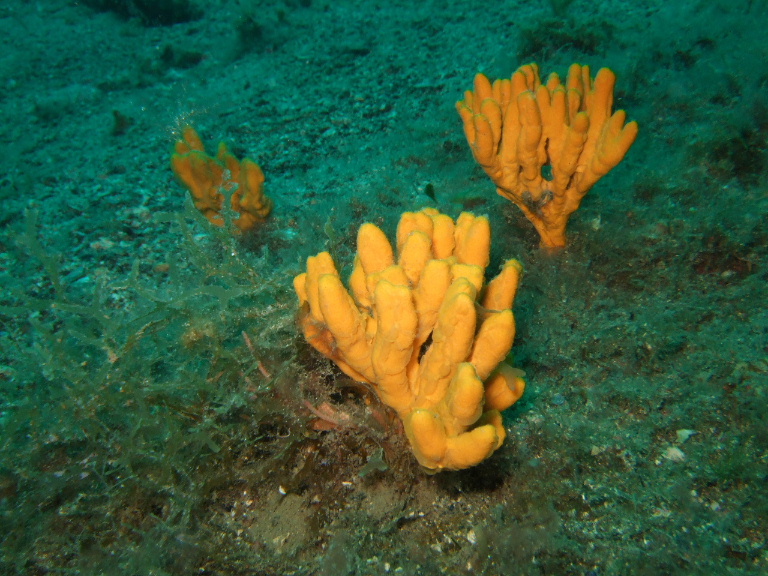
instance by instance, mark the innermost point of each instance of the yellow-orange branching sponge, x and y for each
(419, 325)
(517, 127)
(206, 176)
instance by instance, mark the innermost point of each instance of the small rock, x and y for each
(674, 454)
(683, 435)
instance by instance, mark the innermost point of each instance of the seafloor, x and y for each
(159, 405)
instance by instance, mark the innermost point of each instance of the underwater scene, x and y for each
(362, 288)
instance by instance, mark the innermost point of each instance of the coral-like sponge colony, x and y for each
(518, 126)
(423, 330)
(206, 176)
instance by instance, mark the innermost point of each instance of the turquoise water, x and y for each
(160, 411)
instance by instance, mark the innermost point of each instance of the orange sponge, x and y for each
(422, 328)
(205, 177)
(516, 127)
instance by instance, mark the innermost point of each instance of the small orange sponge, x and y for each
(205, 177)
